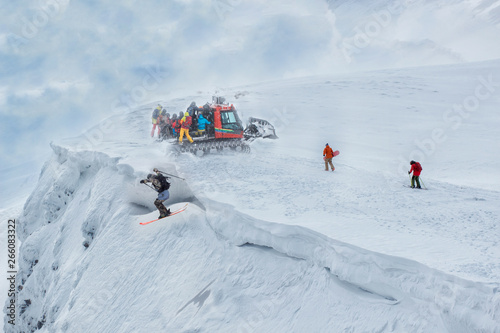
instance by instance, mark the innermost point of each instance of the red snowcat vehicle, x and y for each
(225, 130)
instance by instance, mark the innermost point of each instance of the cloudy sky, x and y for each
(68, 64)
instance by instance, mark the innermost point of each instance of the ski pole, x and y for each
(149, 186)
(169, 174)
(422, 182)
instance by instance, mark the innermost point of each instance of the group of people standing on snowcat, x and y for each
(193, 121)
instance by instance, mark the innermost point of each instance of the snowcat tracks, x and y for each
(207, 147)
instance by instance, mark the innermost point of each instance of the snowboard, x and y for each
(335, 153)
(180, 210)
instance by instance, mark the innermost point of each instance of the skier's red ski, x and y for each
(180, 210)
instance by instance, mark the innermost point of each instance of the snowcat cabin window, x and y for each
(230, 120)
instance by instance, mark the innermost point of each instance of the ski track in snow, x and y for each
(271, 243)
(390, 211)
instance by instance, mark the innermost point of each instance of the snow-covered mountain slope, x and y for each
(55, 84)
(270, 242)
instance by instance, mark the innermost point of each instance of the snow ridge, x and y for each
(63, 216)
(463, 305)
(87, 266)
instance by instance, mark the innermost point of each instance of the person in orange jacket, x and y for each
(327, 156)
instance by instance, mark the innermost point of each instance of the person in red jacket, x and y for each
(327, 156)
(185, 125)
(416, 168)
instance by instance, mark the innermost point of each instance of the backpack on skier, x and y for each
(165, 185)
(156, 114)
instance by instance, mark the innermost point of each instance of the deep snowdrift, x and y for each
(88, 266)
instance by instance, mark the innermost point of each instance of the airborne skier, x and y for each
(160, 185)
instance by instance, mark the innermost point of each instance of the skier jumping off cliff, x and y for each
(160, 185)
